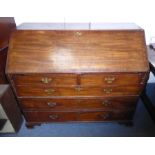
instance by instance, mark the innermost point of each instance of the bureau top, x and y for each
(78, 50)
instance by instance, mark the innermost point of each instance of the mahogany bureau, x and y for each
(77, 72)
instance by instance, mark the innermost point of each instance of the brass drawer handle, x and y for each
(107, 90)
(109, 80)
(106, 103)
(105, 116)
(78, 89)
(49, 91)
(53, 117)
(46, 80)
(51, 104)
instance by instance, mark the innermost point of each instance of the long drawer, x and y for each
(38, 116)
(77, 91)
(91, 79)
(128, 102)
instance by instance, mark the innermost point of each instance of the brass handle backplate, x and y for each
(107, 90)
(49, 91)
(46, 80)
(105, 116)
(51, 104)
(106, 103)
(109, 80)
(53, 117)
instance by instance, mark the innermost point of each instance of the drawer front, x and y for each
(77, 91)
(105, 116)
(50, 116)
(75, 104)
(45, 79)
(111, 79)
(41, 116)
(46, 103)
(107, 103)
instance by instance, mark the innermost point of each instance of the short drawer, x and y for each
(105, 116)
(79, 103)
(45, 79)
(50, 116)
(77, 91)
(111, 79)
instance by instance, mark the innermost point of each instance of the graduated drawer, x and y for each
(105, 116)
(50, 116)
(77, 91)
(40, 116)
(75, 104)
(112, 79)
(45, 79)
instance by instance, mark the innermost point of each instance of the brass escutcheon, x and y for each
(78, 100)
(78, 33)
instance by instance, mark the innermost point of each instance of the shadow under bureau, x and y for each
(77, 72)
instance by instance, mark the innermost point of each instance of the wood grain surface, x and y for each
(38, 51)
